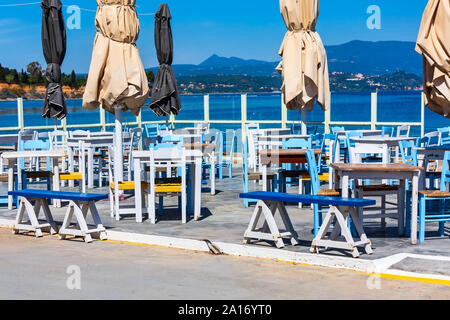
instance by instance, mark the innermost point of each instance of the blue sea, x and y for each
(392, 107)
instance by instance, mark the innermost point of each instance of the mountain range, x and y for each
(368, 58)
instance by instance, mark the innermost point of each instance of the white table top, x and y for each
(382, 139)
(31, 153)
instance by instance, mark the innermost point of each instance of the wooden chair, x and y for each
(117, 189)
(362, 188)
(230, 144)
(403, 131)
(167, 185)
(427, 212)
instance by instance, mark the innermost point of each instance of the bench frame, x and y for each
(340, 208)
(80, 208)
(32, 212)
(270, 230)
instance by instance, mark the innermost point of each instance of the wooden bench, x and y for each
(32, 201)
(270, 202)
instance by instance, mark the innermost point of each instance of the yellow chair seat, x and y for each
(168, 188)
(323, 177)
(128, 185)
(71, 176)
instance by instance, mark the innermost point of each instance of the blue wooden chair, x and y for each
(445, 135)
(248, 176)
(297, 173)
(342, 142)
(437, 213)
(408, 152)
(350, 143)
(317, 191)
(34, 172)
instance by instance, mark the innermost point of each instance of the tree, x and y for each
(150, 76)
(23, 77)
(34, 68)
(73, 79)
(2, 73)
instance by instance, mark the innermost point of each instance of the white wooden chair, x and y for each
(116, 190)
(168, 158)
(403, 131)
(363, 153)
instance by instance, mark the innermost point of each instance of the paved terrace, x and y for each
(225, 218)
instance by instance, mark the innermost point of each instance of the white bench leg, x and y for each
(33, 216)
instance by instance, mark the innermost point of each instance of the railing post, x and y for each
(422, 114)
(206, 107)
(374, 110)
(327, 120)
(283, 113)
(64, 124)
(243, 115)
(20, 122)
(102, 119)
(172, 120)
(139, 119)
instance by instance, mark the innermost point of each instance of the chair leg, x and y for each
(442, 223)
(422, 208)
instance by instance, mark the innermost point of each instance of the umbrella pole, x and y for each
(56, 124)
(167, 123)
(118, 145)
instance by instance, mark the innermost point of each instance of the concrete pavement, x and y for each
(47, 268)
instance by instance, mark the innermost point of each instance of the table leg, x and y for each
(137, 189)
(198, 188)
(11, 163)
(90, 168)
(401, 207)
(56, 182)
(414, 207)
(213, 174)
(264, 177)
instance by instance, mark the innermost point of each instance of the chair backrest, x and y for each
(423, 142)
(317, 141)
(297, 143)
(252, 126)
(358, 152)
(445, 135)
(326, 147)
(434, 138)
(34, 145)
(296, 128)
(151, 130)
(172, 138)
(58, 139)
(387, 131)
(352, 134)
(445, 175)
(79, 134)
(26, 135)
(408, 152)
(230, 137)
(403, 131)
(313, 171)
(337, 129)
(137, 137)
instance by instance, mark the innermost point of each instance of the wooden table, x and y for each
(386, 142)
(14, 158)
(402, 172)
(281, 156)
(193, 160)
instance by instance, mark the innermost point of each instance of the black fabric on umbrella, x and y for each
(54, 47)
(165, 98)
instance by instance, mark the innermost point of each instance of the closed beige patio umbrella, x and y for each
(117, 79)
(433, 43)
(304, 65)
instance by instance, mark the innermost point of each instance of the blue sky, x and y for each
(249, 29)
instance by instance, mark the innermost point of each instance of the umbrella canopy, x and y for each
(116, 75)
(304, 65)
(434, 44)
(54, 47)
(165, 98)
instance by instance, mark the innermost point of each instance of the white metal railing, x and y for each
(374, 123)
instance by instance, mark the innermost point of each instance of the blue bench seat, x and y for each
(58, 195)
(307, 199)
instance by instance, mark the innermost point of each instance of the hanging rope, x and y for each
(83, 9)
